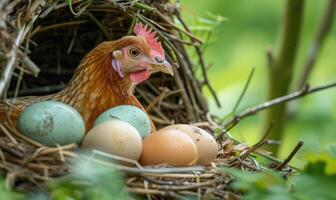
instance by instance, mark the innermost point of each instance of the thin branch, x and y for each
(295, 95)
(267, 132)
(244, 91)
(146, 170)
(9, 67)
(186, 31)
(201, 61)
(33, 69)
(116, 157)
(321, 34)
(259, 144)
(59, 25)
(100, 26)
(252, 149)
(134, 21)
(157, 100)
(37, 90)
(291, 155)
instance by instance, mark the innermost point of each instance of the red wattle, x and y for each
(139, 76)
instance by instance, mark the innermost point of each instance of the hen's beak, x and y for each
(163, 67)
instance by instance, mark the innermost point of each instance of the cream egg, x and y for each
(115, 137)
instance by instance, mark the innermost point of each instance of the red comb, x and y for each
(150, 36)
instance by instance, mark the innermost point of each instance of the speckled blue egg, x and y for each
(51, 123)
(127, 113)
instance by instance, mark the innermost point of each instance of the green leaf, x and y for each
(327, 155)
(266, 185)
(6, 193)
(315, 183)
(70, 7)
(89, 181)
(315, 168)
(331, 149)
(218, 132)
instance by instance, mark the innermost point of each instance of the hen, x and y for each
(106, 77)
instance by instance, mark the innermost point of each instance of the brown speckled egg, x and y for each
(115, 137)
(172, 147)
(206, 145)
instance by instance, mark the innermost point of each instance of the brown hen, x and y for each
(105, 78)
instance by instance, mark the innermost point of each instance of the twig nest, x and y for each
(115, 137)
(170, 146)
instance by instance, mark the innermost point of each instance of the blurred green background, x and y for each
(240, 42)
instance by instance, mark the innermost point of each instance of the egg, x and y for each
(169, 146)
(206, 145)
(131, 114)
(115, 137)
(51, 123)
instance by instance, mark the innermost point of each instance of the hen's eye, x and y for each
(134, 52)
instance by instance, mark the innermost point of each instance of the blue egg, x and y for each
(51, 123)
(127, 113)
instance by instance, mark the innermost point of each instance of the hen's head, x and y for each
(136, 57)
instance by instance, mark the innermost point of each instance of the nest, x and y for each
(29, 164)
(49, 38)
(53, 40)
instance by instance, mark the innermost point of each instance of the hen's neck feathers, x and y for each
(96, 86)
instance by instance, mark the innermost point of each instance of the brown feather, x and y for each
(94, 88)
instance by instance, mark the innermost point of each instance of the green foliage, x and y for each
(326, 155)
(88, 181)
(331, 149)
(241, 96)
(6, 193)
(267, 185)
(218, 132)
(312, 184)
(70, 7)
(203, 28)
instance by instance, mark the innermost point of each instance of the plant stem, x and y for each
(281, 66)
(321, 33)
